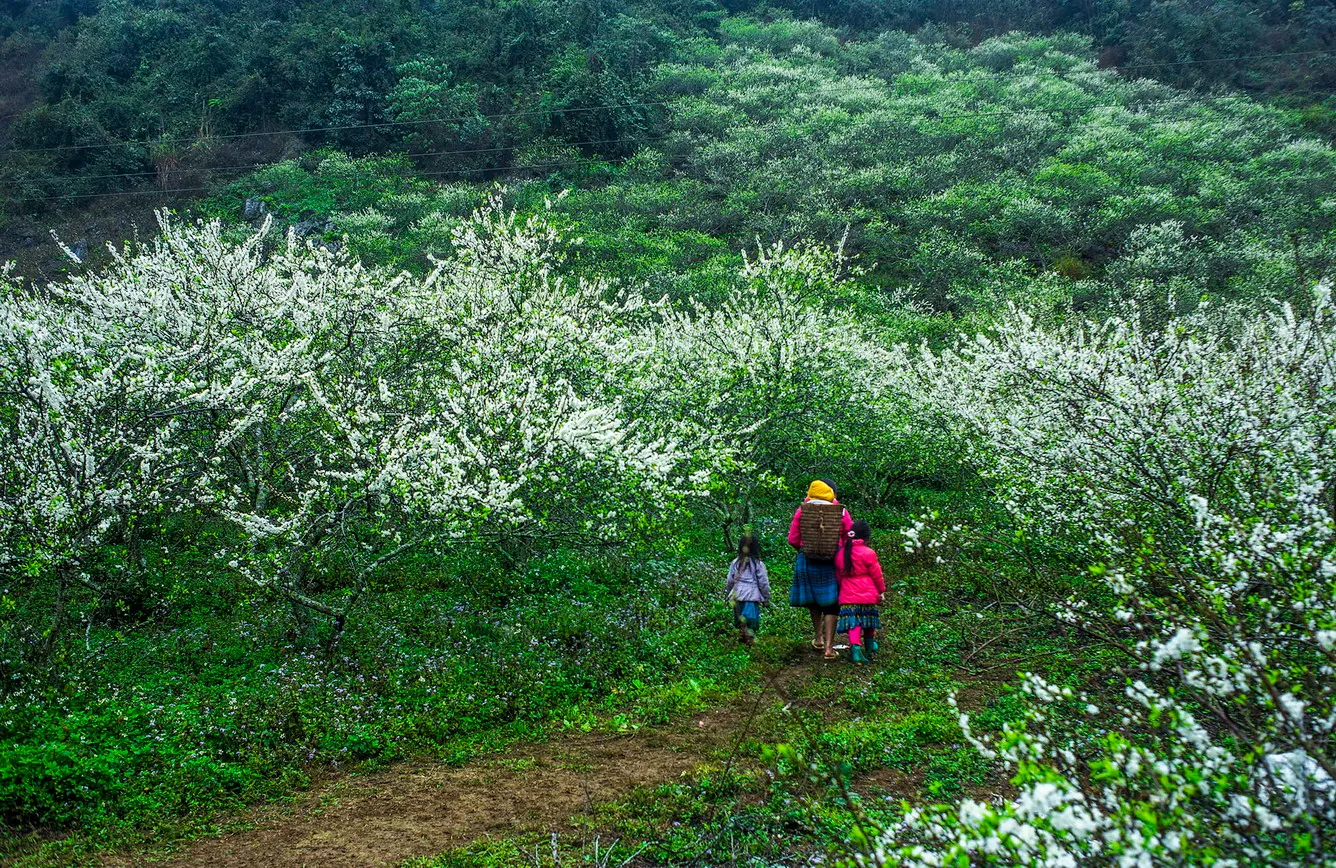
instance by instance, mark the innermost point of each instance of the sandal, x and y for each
(832, 655)
(819, 646)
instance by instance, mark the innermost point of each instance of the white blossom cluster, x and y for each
(1194, 463)
(335, 416)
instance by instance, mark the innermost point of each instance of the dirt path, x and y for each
(424, 808)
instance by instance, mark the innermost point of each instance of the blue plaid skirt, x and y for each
(814, 583)
(747, 614)
(865, 615)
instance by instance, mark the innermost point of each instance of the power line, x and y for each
(185, 169)
(437, 120)
(498, 149)
(1227, 59)
(562, 111)
(570, 163)
(925, 115)
(293, 132)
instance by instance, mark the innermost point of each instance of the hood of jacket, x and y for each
(819, 490)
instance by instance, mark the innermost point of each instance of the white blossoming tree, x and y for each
(332, 415)
(775, 379)
(1194, 463)
(91, 432)
(532, 393)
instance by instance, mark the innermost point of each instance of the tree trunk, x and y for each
(57, 615)
(134, 548)
(261, 489)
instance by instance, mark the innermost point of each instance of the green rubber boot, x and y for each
(873, 648)
(856, 652)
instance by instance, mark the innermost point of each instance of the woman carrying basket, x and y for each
(819, 526)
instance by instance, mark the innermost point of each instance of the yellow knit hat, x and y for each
(819, 490)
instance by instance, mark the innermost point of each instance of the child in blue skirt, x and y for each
(862, 589)
(748, 588)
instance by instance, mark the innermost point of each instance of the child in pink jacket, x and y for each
(861, 590)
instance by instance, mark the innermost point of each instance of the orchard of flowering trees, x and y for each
(333, 417)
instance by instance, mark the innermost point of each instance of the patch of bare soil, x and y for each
(425, 808)
(890, 783)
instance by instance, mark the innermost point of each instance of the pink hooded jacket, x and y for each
(795, 529)
(862, 584)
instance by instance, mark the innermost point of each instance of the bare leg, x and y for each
(828, 623)
(816, 628)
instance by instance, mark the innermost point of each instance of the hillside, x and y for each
(445, 356)
(108, 97)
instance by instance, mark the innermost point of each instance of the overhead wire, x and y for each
(502, 148)
(177, 191)
(388, 154)
(1227, 59)
(335, 129)
(549, 110)
(927, 115)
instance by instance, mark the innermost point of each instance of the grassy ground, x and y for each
(611, 694)
(819, 748)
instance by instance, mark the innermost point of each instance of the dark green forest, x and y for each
(391, 382)
(115, 96)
